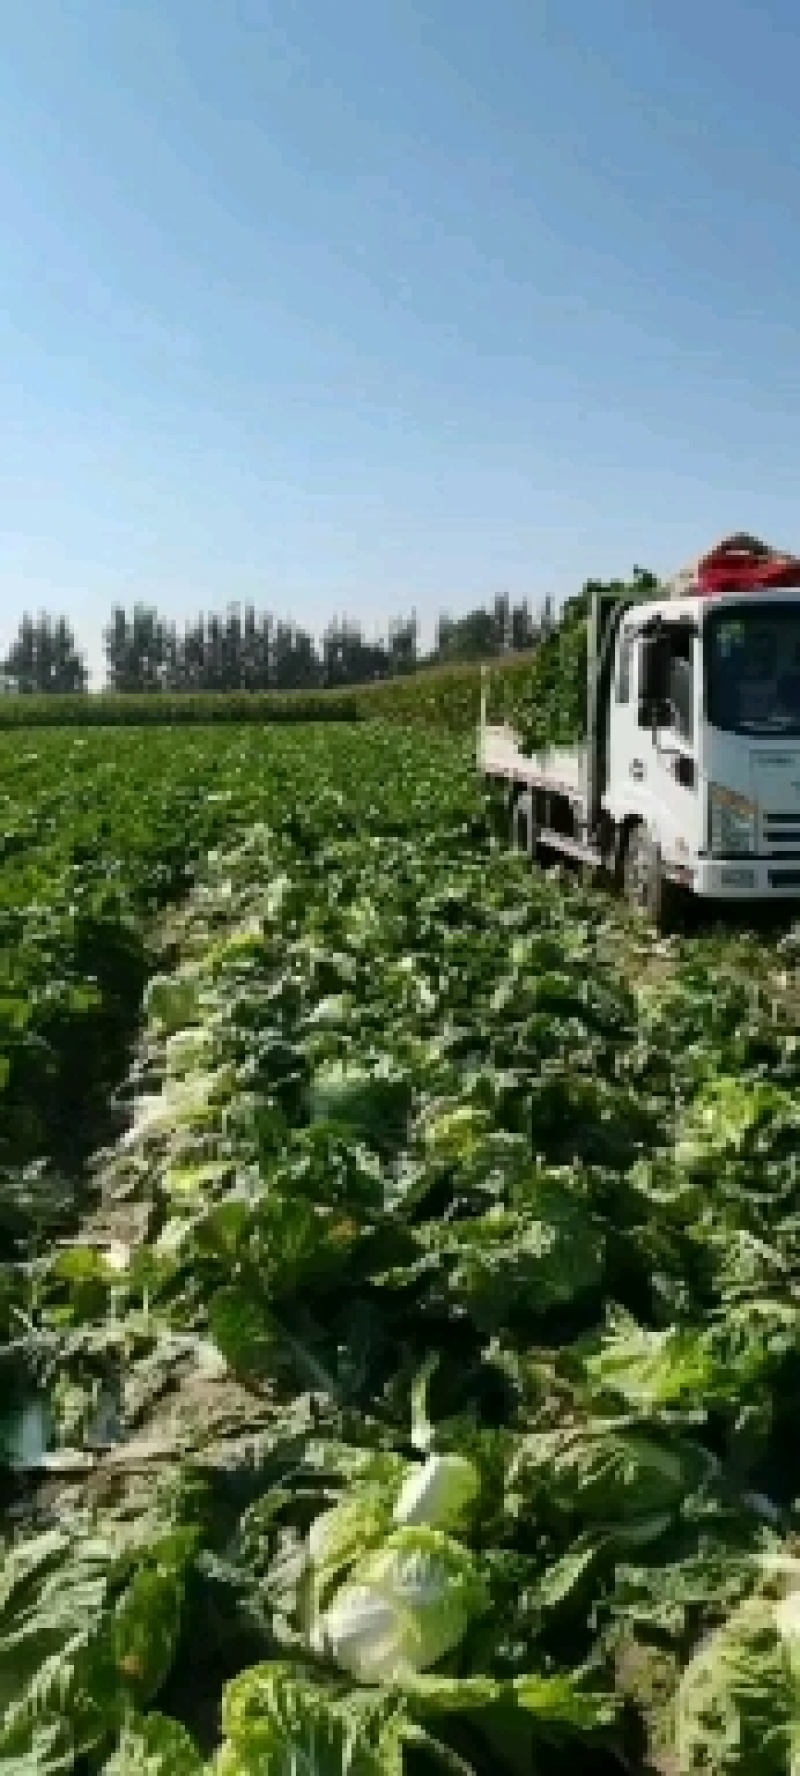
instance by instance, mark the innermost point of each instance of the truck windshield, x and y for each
(752, 660)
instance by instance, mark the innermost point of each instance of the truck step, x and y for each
(575, 848)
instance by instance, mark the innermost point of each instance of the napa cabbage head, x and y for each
(650, 1368)
(437, 1493)
(405, 1606)
(371, 1103)
(454, 1133)
(276, 1723)
(737, 1708)
(605, 1474)
(727, 1113)
(541, 1258)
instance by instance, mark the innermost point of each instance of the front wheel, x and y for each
(646, 887)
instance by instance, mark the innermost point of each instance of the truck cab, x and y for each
(703, 741)
(688, 779)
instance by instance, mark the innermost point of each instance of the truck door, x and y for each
(622, 765)
(668, 729)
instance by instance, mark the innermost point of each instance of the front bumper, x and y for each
(742, 878)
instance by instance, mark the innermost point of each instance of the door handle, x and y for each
(637, 770)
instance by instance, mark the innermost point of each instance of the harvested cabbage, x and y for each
(405, 1607)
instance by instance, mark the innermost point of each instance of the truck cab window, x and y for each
(753, 670)
(680, 682)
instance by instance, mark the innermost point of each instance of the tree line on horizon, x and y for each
(251, 650)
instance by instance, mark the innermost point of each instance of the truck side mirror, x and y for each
(653, 686)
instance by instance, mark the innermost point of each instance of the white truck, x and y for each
(688, 782)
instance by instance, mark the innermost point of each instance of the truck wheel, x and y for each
(498, 804)
(646, 887)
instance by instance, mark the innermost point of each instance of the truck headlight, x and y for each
(732, 822)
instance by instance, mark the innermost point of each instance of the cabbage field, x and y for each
(399, 1256)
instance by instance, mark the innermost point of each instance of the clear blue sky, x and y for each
(392, 302)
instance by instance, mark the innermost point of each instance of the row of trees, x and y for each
(252, 650)
(45, 657)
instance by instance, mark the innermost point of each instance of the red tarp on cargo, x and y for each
(743, 564)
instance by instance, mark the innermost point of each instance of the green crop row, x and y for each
(118, 709)
(99, 832)
(446, 697)
(449, 697)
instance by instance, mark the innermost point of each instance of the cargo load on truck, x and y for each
(737, 563)
(550, 710)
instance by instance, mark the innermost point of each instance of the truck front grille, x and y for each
(781, 834)
(784, 878)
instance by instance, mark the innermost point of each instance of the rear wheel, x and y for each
(647, 889)
(498, 803)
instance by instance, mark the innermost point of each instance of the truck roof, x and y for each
(695, 606)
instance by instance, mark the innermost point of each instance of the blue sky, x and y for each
(390, 303)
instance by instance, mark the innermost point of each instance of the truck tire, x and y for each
(498, 807)
(646, 888)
